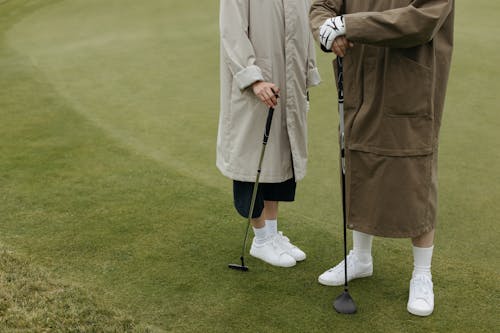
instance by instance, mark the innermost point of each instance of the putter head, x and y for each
(238, 267)
(344, 303)
(241, 267)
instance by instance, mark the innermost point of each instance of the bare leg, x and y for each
(259, 222)
(424, 240)
(270, 210)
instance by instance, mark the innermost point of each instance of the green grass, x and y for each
(32, 301)
(108, 116)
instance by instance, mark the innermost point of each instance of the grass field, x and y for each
(114, 218)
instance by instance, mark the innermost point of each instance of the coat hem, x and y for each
(379, 233)
(251, 178)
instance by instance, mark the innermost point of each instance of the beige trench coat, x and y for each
(266, 40)
(395, 82)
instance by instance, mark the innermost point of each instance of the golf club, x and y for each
(343, 303)
(243, 267)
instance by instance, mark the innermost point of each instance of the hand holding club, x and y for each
(341, 45)
(267, 92)
(331, 29)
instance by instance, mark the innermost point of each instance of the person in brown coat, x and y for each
(397, 58)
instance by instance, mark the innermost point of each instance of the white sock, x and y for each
(272, 227)
(260, 235)
(362, 246)
(422, 258)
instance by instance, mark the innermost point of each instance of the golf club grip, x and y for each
(268, 124)
(340, 79)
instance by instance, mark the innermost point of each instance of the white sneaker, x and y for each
(335, 276)
(421, 300)
(289, 248)
(272, 253)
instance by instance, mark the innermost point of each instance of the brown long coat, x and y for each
(395, 82)
(266, 40)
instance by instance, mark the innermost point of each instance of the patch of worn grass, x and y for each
(31, 301)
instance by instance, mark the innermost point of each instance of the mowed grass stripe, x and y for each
(98, 208)
(133, 74)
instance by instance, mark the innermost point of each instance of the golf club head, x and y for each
(241, 267)
(344, 303)
(238, 267)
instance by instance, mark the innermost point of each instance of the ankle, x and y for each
(362, 246)
(422, 259)
(260, 235)
(424, 272)
(272, 227)
(365, 257)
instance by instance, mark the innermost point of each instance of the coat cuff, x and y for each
(313, 77)
(248, 76)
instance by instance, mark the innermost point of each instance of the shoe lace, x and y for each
(283, 238)
(422, 285)
(350, 264)
(285, 241)
(276, 244)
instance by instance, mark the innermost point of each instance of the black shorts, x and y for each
(242, 193)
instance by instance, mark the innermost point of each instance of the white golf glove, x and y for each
(331, 29)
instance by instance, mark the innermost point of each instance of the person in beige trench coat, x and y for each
(397, 56)
(266, 50)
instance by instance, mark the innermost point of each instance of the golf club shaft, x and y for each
(257, 178)
(346, 286)
(340, 71)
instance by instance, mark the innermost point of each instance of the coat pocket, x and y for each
(407, 87)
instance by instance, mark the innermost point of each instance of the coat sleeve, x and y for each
(236, 49)
(404, 27)
(408, 26)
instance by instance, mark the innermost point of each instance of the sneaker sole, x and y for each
(272, 264)
(419, 313)
(336, 284)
